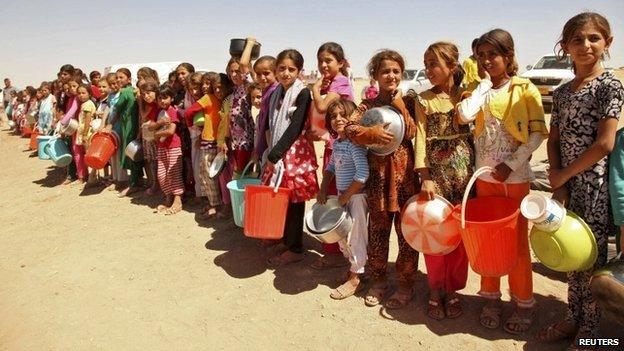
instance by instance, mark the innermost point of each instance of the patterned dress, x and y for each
(448, 145)
(577, 115)
(390, 184)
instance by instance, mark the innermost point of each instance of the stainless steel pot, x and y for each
(238, 45)
(396, 126)
(70, 128)
(328, 223)
(134, 150)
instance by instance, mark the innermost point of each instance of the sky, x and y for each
(38, 37)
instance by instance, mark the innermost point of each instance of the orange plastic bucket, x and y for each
(488, 229)
(265, 210)
(34, 144)
(102, 148)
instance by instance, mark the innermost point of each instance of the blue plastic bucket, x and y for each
(237, 195)
(58, 152)
(42, 140)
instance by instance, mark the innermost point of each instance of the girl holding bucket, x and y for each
(126, 111)
(509, 126)
(291, 150)
(444, 159)
(391, 181)
(583, 129)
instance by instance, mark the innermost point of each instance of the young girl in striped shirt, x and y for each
(349, 166)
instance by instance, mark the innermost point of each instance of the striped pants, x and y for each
(170, 171)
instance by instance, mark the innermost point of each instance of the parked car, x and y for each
(548, 74)
(414, 80)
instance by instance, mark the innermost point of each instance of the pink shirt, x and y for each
(341, 86)
(174, 140)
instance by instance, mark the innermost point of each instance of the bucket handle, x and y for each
(249, 164)
(477, 173)
(278, 181)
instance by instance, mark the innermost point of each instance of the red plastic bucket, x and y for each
(103, 146)
(34, 144)
(489, 231)
(265, 211)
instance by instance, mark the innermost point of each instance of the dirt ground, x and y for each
(86, 270)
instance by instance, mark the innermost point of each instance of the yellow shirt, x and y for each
(471, 76)
(224, 125)
(84, 130)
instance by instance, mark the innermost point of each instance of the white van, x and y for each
(548, 74)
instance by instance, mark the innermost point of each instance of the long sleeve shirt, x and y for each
(348, 163)
(70, 113)
(297, 122)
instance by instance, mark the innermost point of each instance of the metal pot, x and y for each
(134, 150)
(328, 223)
(70, 128)
(396, 126)
(238, 45)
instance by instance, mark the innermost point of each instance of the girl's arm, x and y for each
(245, 60)
(71, 113)
(224, 125)
(560, 194)
(321, 196)
(321, 104)
(598, 150)
(469, 107)
(169, 131)
(293, 131)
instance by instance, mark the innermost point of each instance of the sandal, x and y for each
(490, 316)
(556, 332)
(347, 289)
(329, 262)
(452, 306)
(522, 320)
(285, 258)
(435, 310)
(375, 294)
(400, 299)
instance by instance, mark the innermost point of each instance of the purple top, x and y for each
(261, 142)
(341, 86)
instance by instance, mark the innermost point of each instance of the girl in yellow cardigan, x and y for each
(509, 126)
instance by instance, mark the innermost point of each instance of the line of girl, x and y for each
(451, 130)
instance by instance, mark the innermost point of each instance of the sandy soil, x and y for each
(85, 270)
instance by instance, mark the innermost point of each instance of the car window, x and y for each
(408, 74)
(421, 75)
(551, 62)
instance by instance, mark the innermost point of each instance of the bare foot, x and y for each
(161, 208)
(127, 191)
(67, 182)
(176, 206)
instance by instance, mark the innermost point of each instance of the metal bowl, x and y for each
(238, 45)
(328, 223)
(146, 133)
(217, 165)
(134, 150)
(383, 115)
(70, 128)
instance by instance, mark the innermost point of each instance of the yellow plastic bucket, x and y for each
(572, 247)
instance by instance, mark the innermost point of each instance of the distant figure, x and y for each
(6, 93)
(370, 91)
(94, 79)
(471, 76)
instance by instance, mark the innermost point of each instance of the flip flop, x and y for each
(375, 294)
(345, 290)
(452, 307)
(554, 333)
(399, 299)
(435, 310)
(493, 314)
(524, 323)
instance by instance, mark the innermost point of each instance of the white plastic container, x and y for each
(545, 213)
